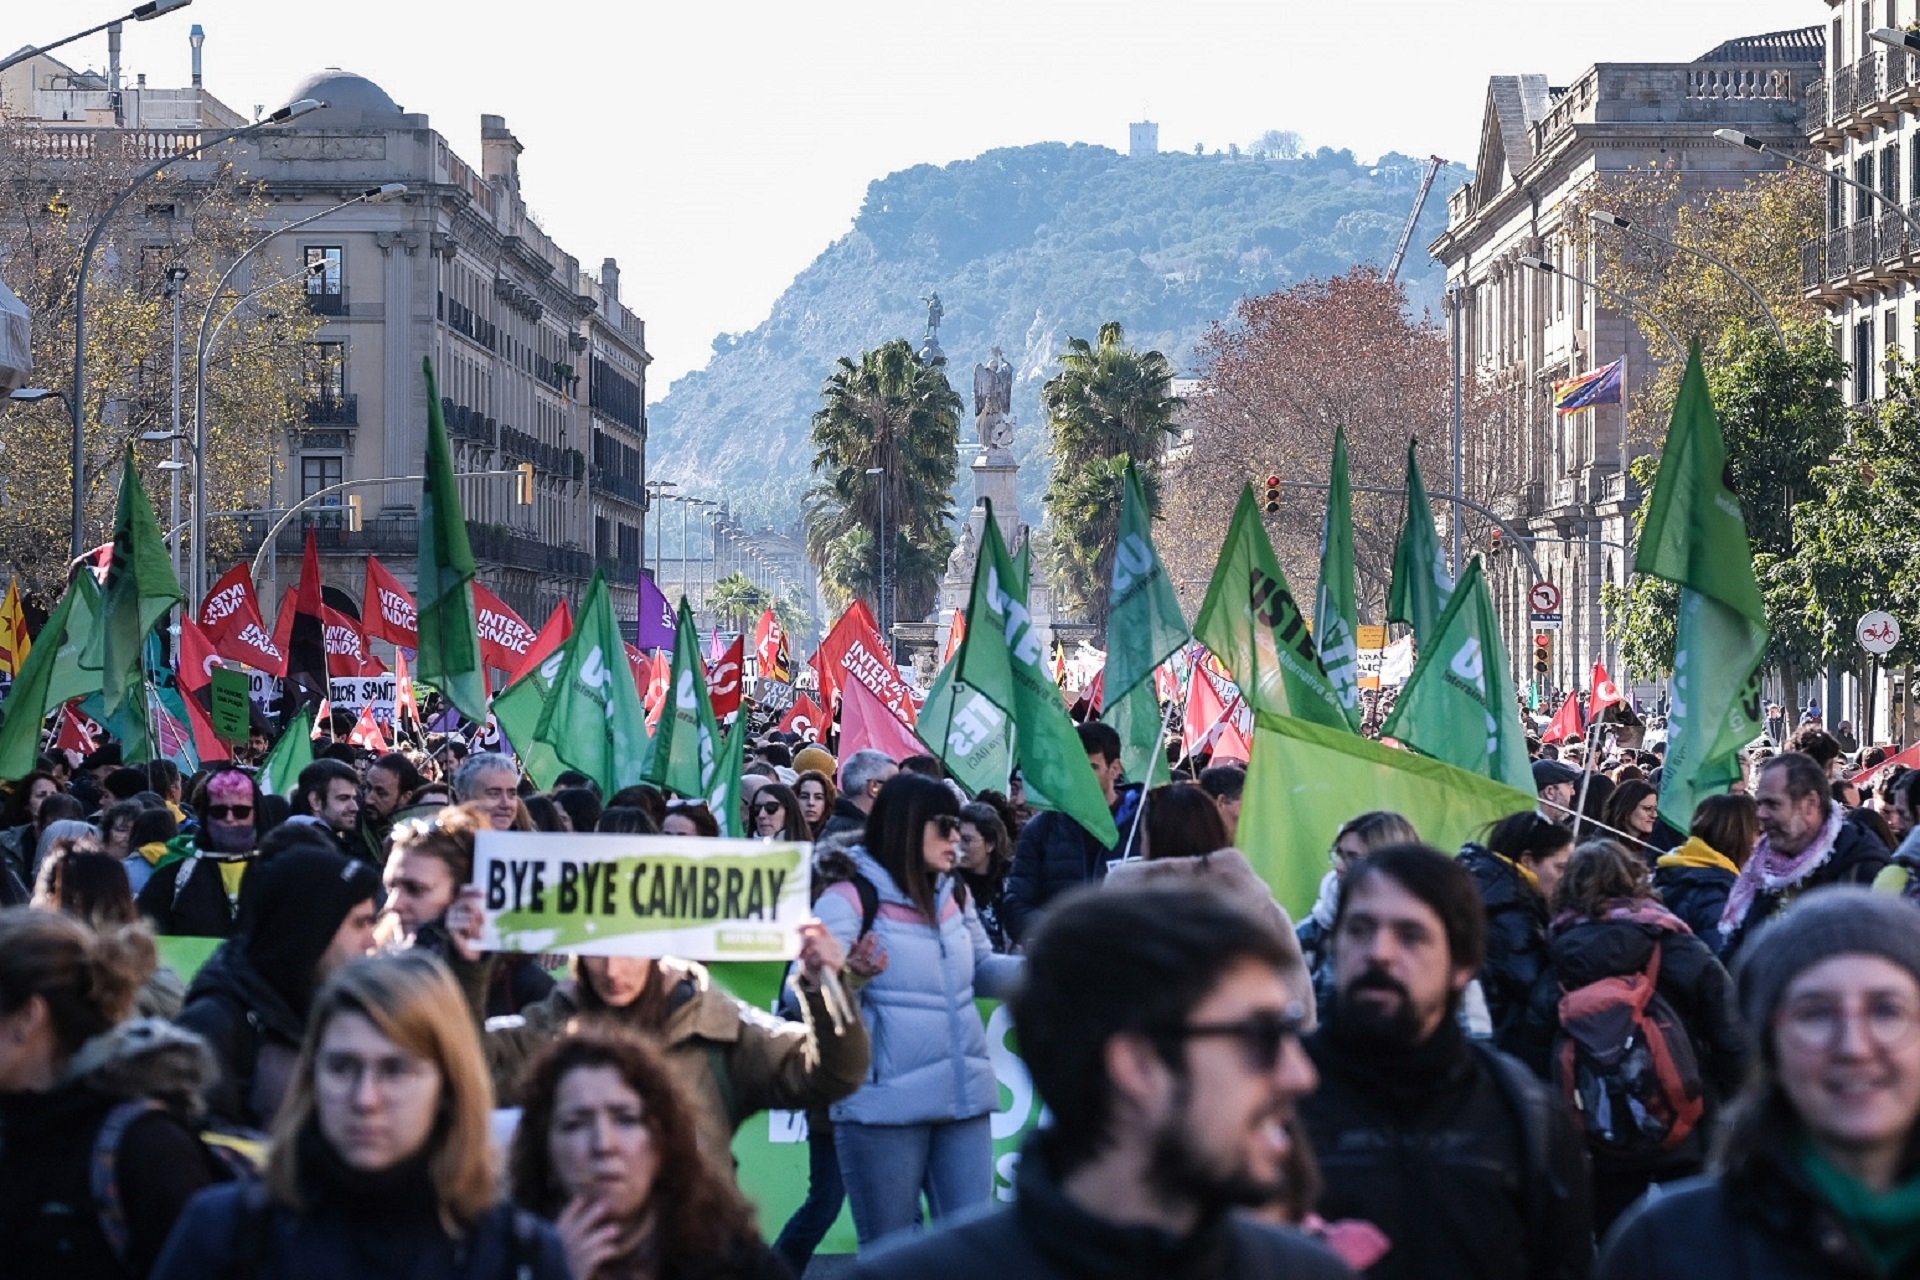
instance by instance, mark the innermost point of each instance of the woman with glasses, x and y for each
(1607, 924)
(608, 1150)
(1634, 810)
(817, 797)
(986, 856)
(775, 814)
(922, 1121)
(381, 1162)
(1817, 1171)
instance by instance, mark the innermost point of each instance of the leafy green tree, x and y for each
(891, 411)
(738, 600)
(1108, 404)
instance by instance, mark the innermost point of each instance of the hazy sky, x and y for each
(716, 149)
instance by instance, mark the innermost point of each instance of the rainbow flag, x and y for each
(1602, 386)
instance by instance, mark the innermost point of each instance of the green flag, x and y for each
(1695, 536)
(1305, 780)
(140, 588)
(76, 667)
(971, 736)
(1458, 705)
(1336, 619)
(30, 699)
(723, 787)
(1144, 627)
(686, 745)
(292, 754)
(1251, 621)
(1421, 583)
(449, 633)
(592, 719)
(1001, 658)
(517, 711)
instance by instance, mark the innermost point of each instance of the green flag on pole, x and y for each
(1695, 536)
(1305, 780)
(592, 719)
(140, 588)
(971, 736)
(723, 786)
(517, 710)
(289, 757)
(1422, 585)
(1001, 658)
(1252, 623)
(1144, 628)
(1459, 705)
(1336, 618)
(29, 701)
(449, 633)
(76, 667)
(686, 744)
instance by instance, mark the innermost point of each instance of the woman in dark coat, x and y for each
(1516, 871)
(1695, 879)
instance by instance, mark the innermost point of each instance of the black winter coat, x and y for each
(1464, 1160)
(254, 1034)
(1045, 1236)
(1055, 854)
(1516, 943)
(1760, 1220)
(188, 896)
(1698, 895)
(1856, 858)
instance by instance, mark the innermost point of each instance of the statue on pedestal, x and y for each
(993, 402)
(930, 351)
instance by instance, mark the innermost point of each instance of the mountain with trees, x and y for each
(1027, 247)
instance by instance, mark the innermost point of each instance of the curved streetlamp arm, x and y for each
(1513, 534)
(266, 543)
(1631, 304)
(1753, 290)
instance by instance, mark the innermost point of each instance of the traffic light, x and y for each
(1542, 652)
(1498, 544)
(523, 484)
(1273, 495)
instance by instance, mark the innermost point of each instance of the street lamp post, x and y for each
(176, 288)
(273, 532)
(139, 13)
(882, 538)
(656, 491)
(1733, 137)
(1457, 298)
(1606, 219)
(78, 402)
(198, 590)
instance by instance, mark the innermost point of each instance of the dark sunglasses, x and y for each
(235, 811)
(768, 806)
(1261, 1035)
(947, 825)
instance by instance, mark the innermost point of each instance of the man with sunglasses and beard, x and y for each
(1160, 1031)
(1466, 1162)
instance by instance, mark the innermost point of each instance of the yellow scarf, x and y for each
(1698, 853)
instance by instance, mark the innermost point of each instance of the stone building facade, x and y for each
(1562, 479)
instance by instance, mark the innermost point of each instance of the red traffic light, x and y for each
(1273, 482)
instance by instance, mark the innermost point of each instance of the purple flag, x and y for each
(656, 616)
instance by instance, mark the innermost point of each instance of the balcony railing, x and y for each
(327, 303)
(399, 536)
(334, 411)
(1842, 99)
(1817, 105)
(1860, 247)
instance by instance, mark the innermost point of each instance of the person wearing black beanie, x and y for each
(303, 914)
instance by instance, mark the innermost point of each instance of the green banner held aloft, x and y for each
(686, 743)
(1422, 586)
(971, 736)
(449, 631)
(290, 755)
(28, 702)
(1459, 705)
(723, 785)
(1144, 628)
(1695, 536)
(592, 719)
(140, 588)
(1336, 618)
(1253, 624)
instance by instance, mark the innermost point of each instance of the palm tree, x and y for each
(892, 412)
(737, 598)
(1108, 404)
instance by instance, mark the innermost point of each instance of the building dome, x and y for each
(345, 94)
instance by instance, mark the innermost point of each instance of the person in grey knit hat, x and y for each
(1817, 1172)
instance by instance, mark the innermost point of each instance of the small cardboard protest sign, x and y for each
(619, 895)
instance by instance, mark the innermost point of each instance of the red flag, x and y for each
(854, 648)
(1166, 685)
(73, 734)
(804, 718)
(1205, 711)
(1566, 723)
(556, 631)
(197, 659)
(955, 636)
(723, 679)
(231, 618)
(366, 732)
(347, 650)
(388, 608)
(657, 684)
(1605, 693)
(642, 667)
(770, 650)
(504, 638)
(1096, 694)
(323, 720)
(866, 723)
(404, 703)
(1910, 758)
(303, 639)
(1232, 743)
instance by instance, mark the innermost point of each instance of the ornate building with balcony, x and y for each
(1863, 122)
(1562, 480)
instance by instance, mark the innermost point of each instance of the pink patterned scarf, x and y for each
(1775, 872)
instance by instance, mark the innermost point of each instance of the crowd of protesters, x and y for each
(1585, 1043)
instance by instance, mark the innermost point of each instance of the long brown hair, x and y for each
(412, 1000)
(699, 1213)
(831, 792)
(89, 980)
(1599, 875)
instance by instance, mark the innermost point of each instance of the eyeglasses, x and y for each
(947, 825)
(1261, 1035)
(342, 1073)
(238, 812)
(1819, 1025)
(768, 806)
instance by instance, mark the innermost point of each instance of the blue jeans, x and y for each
(887, 1166)
(814, 1218)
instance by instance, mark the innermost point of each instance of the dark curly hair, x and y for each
(701, 1215)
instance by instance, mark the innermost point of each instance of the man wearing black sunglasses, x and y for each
(1161, 1032)
(1465, 1161)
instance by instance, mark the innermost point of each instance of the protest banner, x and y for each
(608, 895)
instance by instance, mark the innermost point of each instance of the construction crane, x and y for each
(1419, 202)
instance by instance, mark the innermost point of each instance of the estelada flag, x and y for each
(770, 650)
(388, 608)
(723, 679)
(14, 641)
(1602, 386)
(366, 732)
(554, 633)
(804, 718)
(504, 638)
(854, 648)
(231, 618)
(1566, 722)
